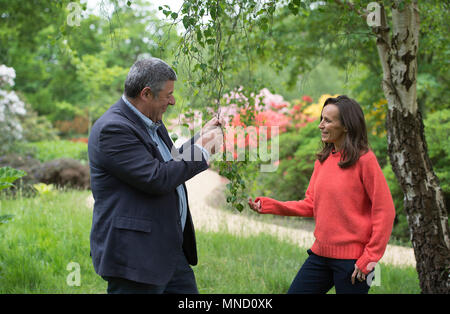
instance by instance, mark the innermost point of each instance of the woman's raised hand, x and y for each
(256, 206)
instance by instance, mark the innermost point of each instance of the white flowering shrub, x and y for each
(11, 108)
(7, 75)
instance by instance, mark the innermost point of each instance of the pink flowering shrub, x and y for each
(268, 116)
(307, 99)
(247, 118)
(299, 118)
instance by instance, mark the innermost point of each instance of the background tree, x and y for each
(69, 72)
(397, 41)
(424, 201)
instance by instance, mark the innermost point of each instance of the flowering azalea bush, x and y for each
(269, 116)
(314, 110)
(250, 119)
(80, 140)
(268, 110)
(11, 107)
(78, 125)
(299, 118)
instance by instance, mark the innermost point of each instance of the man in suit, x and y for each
(142, 237)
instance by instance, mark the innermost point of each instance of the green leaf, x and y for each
(186, 21)
(5, 218)
(293, 8)
(8, 175)
(4, 185)
(199, 35)
(264, 23)
(174, 137)
(213, 13)
(271, 9)
(208, 32)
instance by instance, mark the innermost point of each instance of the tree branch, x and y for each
(351, 6)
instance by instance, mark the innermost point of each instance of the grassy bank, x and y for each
(47, 233)
(263, 264)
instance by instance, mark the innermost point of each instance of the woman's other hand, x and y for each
(357, 273)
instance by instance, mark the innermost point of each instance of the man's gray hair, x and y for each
(150, 72)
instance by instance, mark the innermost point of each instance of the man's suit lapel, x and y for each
(134, 118)
(164, 135)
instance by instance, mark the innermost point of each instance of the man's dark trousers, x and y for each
(182, 282)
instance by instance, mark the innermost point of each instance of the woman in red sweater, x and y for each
(350, 201)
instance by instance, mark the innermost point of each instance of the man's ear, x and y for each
(146, 92)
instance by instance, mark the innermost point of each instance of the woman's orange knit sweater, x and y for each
(352, 208)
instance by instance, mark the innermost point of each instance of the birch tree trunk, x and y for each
(424, 200)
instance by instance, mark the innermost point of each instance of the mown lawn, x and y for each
(49, 232)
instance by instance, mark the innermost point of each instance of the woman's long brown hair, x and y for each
(355, 143)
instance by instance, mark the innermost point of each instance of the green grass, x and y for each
(48, 150)
(263, 264)
(258, 264)
(49, 232)
(45, 235)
